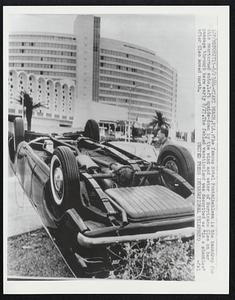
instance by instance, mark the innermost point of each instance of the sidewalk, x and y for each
(21, 215)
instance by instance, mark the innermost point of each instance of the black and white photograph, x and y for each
(110, 163)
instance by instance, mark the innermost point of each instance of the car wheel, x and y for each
(179, 160)
(92, 130)
(18, 131)
(64, 181)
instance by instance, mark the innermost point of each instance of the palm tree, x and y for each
(27, 102)
(159, 121)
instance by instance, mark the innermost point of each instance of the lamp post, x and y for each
(112, 88)
(132, 89)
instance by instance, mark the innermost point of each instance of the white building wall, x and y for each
(48, 54)
(83, 31)
(57, 96)
(69, 61)
(135, 77)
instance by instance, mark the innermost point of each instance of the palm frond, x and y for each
(159, 120)
(39, 104)
(18, 100)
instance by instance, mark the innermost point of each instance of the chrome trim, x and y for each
(166, 234)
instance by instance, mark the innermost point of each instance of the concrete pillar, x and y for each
(87, 32)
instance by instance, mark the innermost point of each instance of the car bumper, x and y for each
(89, 242)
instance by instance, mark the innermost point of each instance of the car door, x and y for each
(24, 167)
(40, 178)
(20, 162)
(29, 167)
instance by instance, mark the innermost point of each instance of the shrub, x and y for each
(156, 260)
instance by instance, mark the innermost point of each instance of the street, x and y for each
(21, 215)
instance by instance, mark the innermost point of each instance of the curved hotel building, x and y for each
(70, 73)
(134, 77)
(45, 66)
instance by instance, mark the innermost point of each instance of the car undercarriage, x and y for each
(94, 196)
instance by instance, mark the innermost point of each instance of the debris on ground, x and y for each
(33, 254)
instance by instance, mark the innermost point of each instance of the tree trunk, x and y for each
(29, 114)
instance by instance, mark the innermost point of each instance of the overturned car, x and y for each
(94, 196)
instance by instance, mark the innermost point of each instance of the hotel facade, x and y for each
(82, 75)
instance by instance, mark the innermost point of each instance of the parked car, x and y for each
(94, 196)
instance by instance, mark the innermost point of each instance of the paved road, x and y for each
(21, 215)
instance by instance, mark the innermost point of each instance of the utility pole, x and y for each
(132, 89)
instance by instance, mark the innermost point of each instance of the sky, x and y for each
(172, 37)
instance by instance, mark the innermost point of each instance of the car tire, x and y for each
(64, 181)
(18, 131)
(92, 130)
(178, 159)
